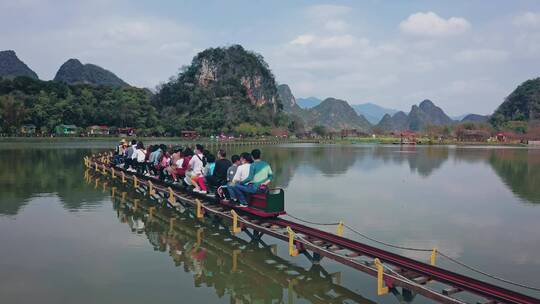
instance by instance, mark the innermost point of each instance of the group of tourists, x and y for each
(197, 167)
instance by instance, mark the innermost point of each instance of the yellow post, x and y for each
(381, 289)
(340, 229)
(135, 204)
(113, 191)
(135, 182)
(172, 199)
(433, 256)
(151, 190)
(199, 209)
(97, 168)
(292, 251)
(123, 177)
(123, 199)
(113, 173)
(235, 254)
(235, 228)
(97, 183)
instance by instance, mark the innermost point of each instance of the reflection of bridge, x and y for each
(396, 271)
(248, 271)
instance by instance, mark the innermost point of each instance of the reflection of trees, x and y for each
(519, 170)
(25, 173)
(258, 276)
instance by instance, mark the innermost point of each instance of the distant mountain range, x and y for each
(427, 113)
(308, 103)
(12, 66)
(334, 114)
(73, 72)
(372, 112)
(210, 72)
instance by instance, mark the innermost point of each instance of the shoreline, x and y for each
(339, 141)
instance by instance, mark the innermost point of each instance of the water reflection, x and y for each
(25, 173)
(230, 265)
(519, 170)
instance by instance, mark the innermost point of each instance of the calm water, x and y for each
(64, 240)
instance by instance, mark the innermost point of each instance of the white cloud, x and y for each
(335, 25)
(332, 42)
(303, 39)
(481, 56)
(432, 25)
(527, 20)
(328, 11)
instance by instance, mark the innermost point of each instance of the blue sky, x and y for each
(466, 56)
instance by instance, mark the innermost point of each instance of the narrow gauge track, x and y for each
(252, 259)
(315, 244)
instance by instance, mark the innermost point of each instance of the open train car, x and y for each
(268, 204)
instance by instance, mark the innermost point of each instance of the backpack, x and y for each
(203, 159)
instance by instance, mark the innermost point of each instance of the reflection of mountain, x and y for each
(257, 276)
(421, 160)
(519, 170)
(330, 160)
(25, 173)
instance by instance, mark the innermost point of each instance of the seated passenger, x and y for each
(119, 151)
(176, 162)
(242, 172)
(260, 175)
(182, 165)
(129, 156)
(139, 158)
(231, 171)
(163, 164)
(208, 170)
(219, 177)
(195, 167)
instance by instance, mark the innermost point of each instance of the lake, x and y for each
(64, 240)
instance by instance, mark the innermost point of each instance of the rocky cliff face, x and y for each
(235, 65)
(287, 98)
(12, 66)
(74, 72)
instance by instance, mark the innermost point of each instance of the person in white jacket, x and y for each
(139, 158)
(241, 173)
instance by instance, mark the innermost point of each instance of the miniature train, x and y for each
(265, 205)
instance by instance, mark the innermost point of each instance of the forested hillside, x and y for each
(47, 104)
